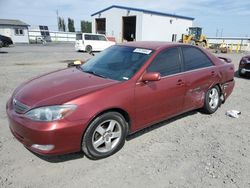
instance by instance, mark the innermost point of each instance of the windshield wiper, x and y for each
(94, 73)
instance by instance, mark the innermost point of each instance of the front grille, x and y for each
(20, 107)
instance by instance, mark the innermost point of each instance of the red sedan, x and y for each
(125, 88)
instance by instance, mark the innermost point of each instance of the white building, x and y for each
(15, 29)
(126, 23)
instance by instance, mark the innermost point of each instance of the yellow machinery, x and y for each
(195, 37)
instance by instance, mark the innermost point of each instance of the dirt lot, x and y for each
(192, 150)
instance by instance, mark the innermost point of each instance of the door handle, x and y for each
(180, 82)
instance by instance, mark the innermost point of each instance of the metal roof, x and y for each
(12, 22)
(144, 11)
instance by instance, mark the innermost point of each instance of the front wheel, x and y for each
(88, 49)
(105, 135)
(239, 73)
(212, 100)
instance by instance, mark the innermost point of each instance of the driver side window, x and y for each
(166, 62)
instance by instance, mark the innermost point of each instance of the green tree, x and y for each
(86, 26)
(61, 24)
(71, 27)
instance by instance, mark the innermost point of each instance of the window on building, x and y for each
(195, 59)
(19, 31)
(166, 63)
(174, 37)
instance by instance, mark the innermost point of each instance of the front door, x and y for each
(164, 98)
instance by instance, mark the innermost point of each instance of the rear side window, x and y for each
(78, 36)
(166, 62)
(195, 59)
(95, 37)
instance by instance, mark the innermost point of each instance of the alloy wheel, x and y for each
(107, 136)
(213, 98)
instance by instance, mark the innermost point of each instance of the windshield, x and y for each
(117, 62)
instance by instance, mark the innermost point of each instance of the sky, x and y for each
(227, 18)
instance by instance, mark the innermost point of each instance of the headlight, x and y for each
(50, 113)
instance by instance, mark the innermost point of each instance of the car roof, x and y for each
(154, 45)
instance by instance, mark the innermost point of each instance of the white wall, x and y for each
(114, 22)
(159, 28)
(9, 31)
(56, 36)
(148, 26)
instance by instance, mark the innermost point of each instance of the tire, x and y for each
(192, 42)
(104, 136)
(88, 49)
(203, 44)
(212, 100)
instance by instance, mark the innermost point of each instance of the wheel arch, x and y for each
(123, 112)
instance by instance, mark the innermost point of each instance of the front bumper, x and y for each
(244, 71)
(65, 136)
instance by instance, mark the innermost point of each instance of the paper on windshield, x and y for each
(142, 51)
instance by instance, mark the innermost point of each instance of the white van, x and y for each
(91, 42)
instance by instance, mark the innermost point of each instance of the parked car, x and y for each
(91, 42)
(5, 41)
(127, 87)
(244, 66)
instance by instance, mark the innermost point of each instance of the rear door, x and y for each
(78, 42)
(200, 73)
(164, 98)
(98, 42)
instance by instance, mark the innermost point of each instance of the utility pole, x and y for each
(216, 34)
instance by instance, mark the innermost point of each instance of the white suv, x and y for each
(91, 42)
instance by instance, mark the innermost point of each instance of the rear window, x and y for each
(78, 36)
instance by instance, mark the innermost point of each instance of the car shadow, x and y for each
(3, 52)
(60, 158)
(79, 155)
(158, 125)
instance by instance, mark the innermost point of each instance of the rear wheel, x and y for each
(212, 100)
(104, 136)
(88, 49)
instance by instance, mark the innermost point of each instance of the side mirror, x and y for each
(151, 76)
(227, 60)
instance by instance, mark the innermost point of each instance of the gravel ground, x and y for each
(191, 150)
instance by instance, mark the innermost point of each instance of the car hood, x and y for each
(59, 87)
